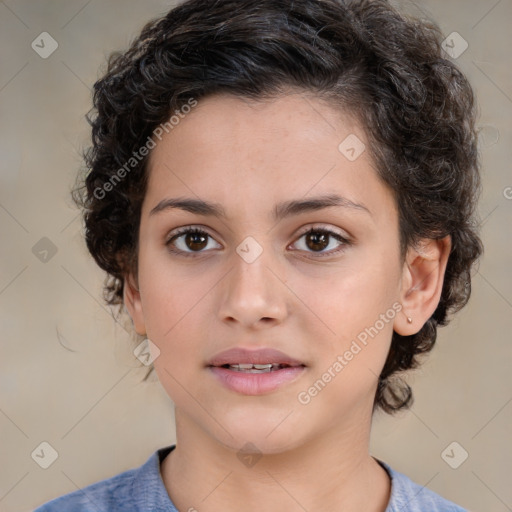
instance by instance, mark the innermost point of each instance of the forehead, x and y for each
(260, 149)
(224, 119)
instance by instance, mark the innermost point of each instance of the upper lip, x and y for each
(240, 355)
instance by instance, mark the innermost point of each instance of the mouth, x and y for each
(255, 372)
(257, 368)
(262, 359)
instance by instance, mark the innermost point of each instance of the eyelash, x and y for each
(194, 230)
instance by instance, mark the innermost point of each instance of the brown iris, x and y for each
(319, 240)
(196, 241)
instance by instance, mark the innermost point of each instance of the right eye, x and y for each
(188, 240)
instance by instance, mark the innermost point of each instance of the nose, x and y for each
(253, 294)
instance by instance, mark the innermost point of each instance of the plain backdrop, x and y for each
(68, 376)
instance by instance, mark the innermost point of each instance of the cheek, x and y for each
(171, 314)
(169, 295)
(350, 313)
(177, 304)
(344, 301)
(349, 360)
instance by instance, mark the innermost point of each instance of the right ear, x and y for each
(132, 302)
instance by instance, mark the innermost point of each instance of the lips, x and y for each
(255, 372)
(241, 356)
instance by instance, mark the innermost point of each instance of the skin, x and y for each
(248, 156)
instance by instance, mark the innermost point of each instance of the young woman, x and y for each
(283, 196)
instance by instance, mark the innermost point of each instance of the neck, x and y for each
(331, 473)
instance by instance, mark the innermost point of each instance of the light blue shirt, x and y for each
(142, 490)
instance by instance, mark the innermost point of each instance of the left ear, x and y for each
(422, 283)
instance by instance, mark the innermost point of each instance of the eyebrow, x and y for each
(281, 210)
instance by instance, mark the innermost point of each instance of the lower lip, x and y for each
(256, 383)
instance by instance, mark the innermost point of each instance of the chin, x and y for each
(267, 437)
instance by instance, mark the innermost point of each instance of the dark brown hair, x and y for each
(388, 69)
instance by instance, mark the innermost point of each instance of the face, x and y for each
(319, 284)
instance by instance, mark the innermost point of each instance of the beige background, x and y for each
(67, 373)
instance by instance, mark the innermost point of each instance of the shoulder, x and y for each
(407, 495)
(103, 496)
(132, 490)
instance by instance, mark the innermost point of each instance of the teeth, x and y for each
(242, 366)
(254, 368)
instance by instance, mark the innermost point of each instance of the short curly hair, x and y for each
(388, 69)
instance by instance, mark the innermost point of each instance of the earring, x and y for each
(409, 319)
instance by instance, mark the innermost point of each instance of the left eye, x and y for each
(318, 239)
